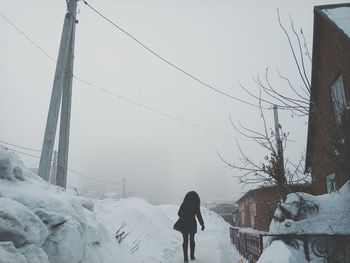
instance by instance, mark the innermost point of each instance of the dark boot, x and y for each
(185, 248)
(192, 250)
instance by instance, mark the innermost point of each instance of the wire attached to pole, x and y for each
(167, 61)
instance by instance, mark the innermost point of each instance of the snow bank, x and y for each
(41, 223)
(279, 252)
(303, 213)
(308, 214)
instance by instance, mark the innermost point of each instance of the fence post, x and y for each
(245, 242)
(261, 243)
(306, 248)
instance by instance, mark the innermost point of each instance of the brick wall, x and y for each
(264, 202)
(260, 204)
(330, 59)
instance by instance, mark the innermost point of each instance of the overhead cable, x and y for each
(71, 170)
(20, 152)
(166, 60)
(27, 37)
(21, 147)
(169, 116)
(117, 95)
(91, 178)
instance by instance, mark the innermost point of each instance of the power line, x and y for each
(27, 154)
(149, 108)
(166, 60)
(169, 116)
(143, 45)
(38, 157)
(92, 179)
(21, 147)
(27, 37)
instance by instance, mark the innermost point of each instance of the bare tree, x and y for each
(297, 99)
(274, 170)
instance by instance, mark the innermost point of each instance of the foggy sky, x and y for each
(221, 42)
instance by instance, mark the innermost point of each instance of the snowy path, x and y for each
(41, 223)
(160, 243)
(211, 247)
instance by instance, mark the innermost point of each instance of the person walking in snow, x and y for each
(189, 209)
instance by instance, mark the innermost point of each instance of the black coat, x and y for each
(187, 213)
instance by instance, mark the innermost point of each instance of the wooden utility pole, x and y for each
(281, 178)
(62, 83)
(277, 132)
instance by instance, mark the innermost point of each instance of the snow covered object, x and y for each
(315, 220)
(279, 252)
(41, 223)
(303, 213)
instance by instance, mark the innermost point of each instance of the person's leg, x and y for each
(192, 245)
(185, 246)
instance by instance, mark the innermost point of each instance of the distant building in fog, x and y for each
(226, 211)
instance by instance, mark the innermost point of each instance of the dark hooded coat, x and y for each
(189, 210)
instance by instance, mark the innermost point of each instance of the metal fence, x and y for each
(249, 245)
(316, 247)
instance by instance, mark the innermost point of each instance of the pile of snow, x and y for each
(41, 223)
(111, 195)
(279, 252)
(308, 214)
(303, 213)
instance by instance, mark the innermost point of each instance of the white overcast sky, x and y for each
(222, 42)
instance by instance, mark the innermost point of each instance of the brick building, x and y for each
(257, 206)
(330, 94)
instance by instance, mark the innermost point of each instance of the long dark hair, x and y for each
(192, 197)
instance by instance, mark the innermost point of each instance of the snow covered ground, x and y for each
(41, 223)
(159, 242)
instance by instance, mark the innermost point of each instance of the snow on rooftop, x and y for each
(341, 17)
